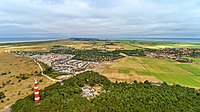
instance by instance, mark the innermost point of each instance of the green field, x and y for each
(190, 68)
(169, 71)
(125, 71)
(197, 60)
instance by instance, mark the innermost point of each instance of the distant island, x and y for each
(85, 39)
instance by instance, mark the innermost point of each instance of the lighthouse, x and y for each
(36, 91)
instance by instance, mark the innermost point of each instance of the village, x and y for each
(60, 62)
(178, 54)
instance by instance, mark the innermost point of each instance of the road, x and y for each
(42, 73)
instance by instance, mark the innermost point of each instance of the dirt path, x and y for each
(42, 73)
(7, 108)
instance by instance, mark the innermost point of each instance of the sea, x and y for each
(20, 39)
(190, 40)
(23, 39)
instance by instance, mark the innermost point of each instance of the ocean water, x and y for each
(7, 40)
(193, 40)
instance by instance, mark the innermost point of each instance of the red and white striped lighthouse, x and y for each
(36, 91)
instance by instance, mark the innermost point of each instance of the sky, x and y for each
(99, 18)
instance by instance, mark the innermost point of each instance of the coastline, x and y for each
(24, 41)
(178, 40)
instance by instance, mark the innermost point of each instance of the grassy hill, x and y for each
(11, 84)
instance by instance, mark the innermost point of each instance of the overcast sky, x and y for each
(107, 18)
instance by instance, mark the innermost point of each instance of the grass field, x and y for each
(190, 68)
(142, 68)
(124, 70)
(126, 44)
(197, 60)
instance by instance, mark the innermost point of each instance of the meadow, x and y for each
(197, 60)
(144, 68)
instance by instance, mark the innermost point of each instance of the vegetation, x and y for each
(55, 74)
(143, 68)
(190, 68)
(124, 71)
(115, 97)
(137, 52)
(195, 55)
(64, 97)
(23, 76)
(2, 95)
(195, 59)
(50, 72)
(140, 97)
(9, 85)
(146, 68)
(88, 55)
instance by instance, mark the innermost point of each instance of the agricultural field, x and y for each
(132, 44)
(143, 68)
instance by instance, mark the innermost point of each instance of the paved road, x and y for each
(42, 73)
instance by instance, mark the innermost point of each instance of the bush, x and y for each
(4, 73)
(40, 80)
(2, 95)
(23, 76)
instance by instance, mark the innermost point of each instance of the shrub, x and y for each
(2, 95)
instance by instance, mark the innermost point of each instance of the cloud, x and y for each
(99, 17)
